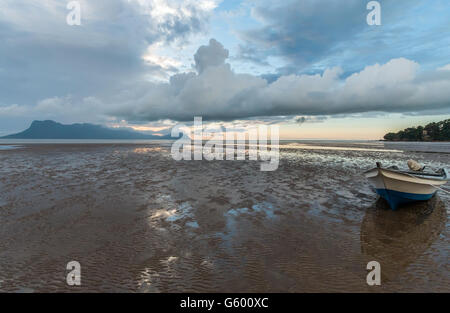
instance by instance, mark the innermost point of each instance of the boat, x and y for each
(399, 187)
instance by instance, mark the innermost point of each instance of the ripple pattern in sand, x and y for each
(138, 221)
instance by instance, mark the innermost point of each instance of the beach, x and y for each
(138, 221)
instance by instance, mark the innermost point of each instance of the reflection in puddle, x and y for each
(265, 208)
(397, 238)
(192, 224)
(148, 150)
(244, 220)
(184, 210)
(4, 147)
(316, 147)
(173, 213)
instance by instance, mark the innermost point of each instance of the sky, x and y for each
(314, 67)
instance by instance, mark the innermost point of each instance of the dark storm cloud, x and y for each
(41, 56)
(306, 32)
(218, 93)
(98, 72)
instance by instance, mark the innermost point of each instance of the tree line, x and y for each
(439, 131)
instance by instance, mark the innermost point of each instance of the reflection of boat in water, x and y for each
(396, 239)
(399, 187)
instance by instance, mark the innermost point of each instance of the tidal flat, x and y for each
(138, 221)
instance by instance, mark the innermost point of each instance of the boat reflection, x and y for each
(397, 238)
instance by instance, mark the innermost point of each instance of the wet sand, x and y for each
(138, 221)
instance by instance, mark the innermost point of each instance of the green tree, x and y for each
(445, 132)
(432, 132)
(391, 137)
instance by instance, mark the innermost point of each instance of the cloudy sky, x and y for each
(313, 66)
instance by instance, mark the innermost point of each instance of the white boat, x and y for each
(400, 187)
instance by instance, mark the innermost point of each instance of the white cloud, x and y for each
(445, 68)
(62, 109)
(213, 54)
(217, 92)
(109, 51)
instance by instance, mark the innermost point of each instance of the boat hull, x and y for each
(397, 198)
(398, 188)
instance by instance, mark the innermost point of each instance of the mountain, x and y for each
(54, 130)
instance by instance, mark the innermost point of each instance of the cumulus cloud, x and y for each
(111, 69)
(41, 56)
(62, 109)
(218, 93)
(445, 68)
(213, 54)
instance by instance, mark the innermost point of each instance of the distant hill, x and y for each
(432, 132)
(54, 130)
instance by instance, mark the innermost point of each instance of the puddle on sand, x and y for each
(397, 239)
(12, 147)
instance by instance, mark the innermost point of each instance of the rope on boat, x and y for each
(434, 186)
(441, 189)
